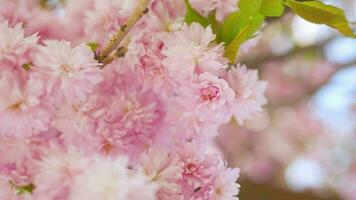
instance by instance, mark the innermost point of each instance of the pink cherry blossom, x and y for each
(188, 51)
(109, 179)
(15, 47)
(164, 169)
(140, 127)
(249, 92)
(63, 168)
(222, 7)
(71, 74)
(22, 109)
(224, 187)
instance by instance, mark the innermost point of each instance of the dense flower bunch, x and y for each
(139, 127)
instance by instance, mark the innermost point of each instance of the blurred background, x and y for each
(303, 147)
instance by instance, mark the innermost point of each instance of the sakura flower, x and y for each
(222, 7)
(15, 47)
(210, 102)
(130, 120)
(63, 168)
(166, 15)
(203, 7)
(72, 119)
(141, 186)
(189, 51)
(198, 170)
(216, 98)
(16, 11)
(141, 128)
(133, 114)
(71, 74)
(249, 92)
(108, 179)
(163, 169)
(225, 186)
(13, 150)
(22, 111)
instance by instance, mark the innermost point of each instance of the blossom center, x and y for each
(15, 106)
(191, 168)
(106, 147)
(65, 68)
(209, 93)
(219, 191)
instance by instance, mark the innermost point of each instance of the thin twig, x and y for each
(114, 42)
(118, 53)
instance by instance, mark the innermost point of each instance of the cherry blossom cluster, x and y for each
(139, 127)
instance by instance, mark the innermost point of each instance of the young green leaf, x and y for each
(27, 66)
(251, 7)
(22, 189)
(246, 32)
(93, 46)
(320, 13)
(272, 8)
(193, 16)
(215, 25)
(268, 8)
(232, 26)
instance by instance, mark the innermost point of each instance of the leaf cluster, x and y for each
(243, 24)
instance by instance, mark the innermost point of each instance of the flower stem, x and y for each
(114, 42)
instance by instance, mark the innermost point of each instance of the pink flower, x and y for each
(130, 119)
(142, 128)
(225, 186)
(189, 51)
(63, 167)
(166, 15)
(16, 11)
(216, 98)
(14, 46)
(198, 170)
(71, 74)
(22, 111)
(249, 92)
(163, 169)
(111, 179)
(72, 119)
(205, 103)
(222, 7)
(13, 150)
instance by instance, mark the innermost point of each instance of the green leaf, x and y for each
(251, 7)
(268, 8)
(320, 13)
(193, 16)
(232, 26)
(27, 66)
(93, 46)
(246, 32)
(22, 189)
(215, 25)
(272, 8)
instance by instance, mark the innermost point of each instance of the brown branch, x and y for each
(108, 52)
